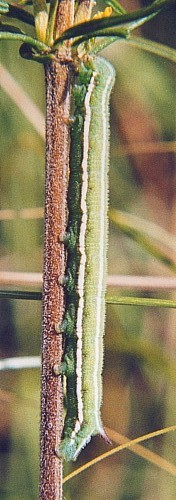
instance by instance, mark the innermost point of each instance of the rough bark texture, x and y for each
(57, 159)
(54, 266)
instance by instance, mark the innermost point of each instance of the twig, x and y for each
(19, 363)
(57, 160)
(114, 280)
(142, 282)
(10, 278)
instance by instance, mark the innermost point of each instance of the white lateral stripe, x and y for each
(101, 249)
(81, 276)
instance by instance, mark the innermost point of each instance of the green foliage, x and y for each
(42, 48)
(120, 26)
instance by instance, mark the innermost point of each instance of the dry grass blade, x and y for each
(123, 446)
(143, 452)
(22, 101)
(8, 278)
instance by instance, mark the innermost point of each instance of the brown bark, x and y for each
(57, 160)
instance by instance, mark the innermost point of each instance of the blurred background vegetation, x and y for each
(139, 372)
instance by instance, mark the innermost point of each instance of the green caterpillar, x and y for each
(86, 242)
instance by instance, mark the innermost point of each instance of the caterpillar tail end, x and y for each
(71, 447)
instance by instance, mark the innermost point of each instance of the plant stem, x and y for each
(57, 147)
(20, 295)
(140, 301)
(57, 161)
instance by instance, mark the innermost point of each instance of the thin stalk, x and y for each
(128, 444)
(20, 37)
(20, 363)
(155, 48)
(57, 147)
(51, 22)
(140, 301)
(113, 280)
(20, 295)
(8, 278)
(57, 160)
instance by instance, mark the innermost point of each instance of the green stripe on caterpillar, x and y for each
(86, 242)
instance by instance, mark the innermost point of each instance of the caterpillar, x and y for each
(86, 242)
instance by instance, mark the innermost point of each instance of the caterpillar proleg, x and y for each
(86, 242)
